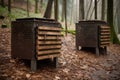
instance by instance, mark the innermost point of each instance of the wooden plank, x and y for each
(48, 51)
(48, 33)
(47, 56)
(104, 27)
(104, 37)
(48, 42)
(107, 39)
(49, 28)
(49, 47)
(105, 33)
(103, 43)
(49, 37)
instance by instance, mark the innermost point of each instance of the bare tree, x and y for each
(114, 38)
(56, 9)
(103, 10)
(81, 9)
(95, 9)
(9, 6)
(48, 10)
(36, 6)
(28, 8)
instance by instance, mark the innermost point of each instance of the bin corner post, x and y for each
(33, 64)
(56, 62)
(97, 51)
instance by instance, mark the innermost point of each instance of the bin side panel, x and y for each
(22, 40)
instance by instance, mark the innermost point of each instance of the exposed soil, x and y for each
(73, 64)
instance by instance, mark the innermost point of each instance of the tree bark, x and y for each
(28, 8)
(66, 28)
(63, 10)
(56, 9)
(103, 10)
(81, 10)
(2, 3)
(48, 10)
(9, 6)
(114, 38)
(95, 9)
(36, 6)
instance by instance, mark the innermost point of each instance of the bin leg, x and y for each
(56, 62)
(105, 49)
(97, 51)
(33, 65)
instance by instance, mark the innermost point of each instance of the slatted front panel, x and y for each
(48, 42)
(104, 36)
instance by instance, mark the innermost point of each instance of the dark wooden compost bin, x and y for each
(36, 39)
(94, 34)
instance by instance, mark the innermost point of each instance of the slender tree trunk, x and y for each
(81, 10)
(9, 6)
(28, 8)
(2, 3)
(71, 12)
(48, 10)
(63, 10)
(88, 11)
(114, 38)
(36, 6)
(56, 9)
(95, 9)
(41, 5)
(103, 10)
(66, 28)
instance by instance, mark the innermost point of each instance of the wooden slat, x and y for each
(105, 39)
(105, 33)
(48, 47)
(49, 37)
(48, 52)
(47, 56)
(48, 33)
(49, 28)
(105, 27)
(103, 43)
(48, 42)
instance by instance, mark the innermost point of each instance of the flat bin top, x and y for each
(35, 19)
(93, 22)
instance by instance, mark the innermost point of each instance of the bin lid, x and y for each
(93, 21)
(34, 19)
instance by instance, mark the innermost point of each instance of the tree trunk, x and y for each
(2, 3)
(103, 10)
(95, 9)
(88, 11)
(114, 38)
(66, 29)
(81, 10)
(71, 16)
(56, 9)
(28, 8)
(63, 10)
(9, 6)
(36, 6)
(48, 10)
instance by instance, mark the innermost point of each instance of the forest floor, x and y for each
(73, 64)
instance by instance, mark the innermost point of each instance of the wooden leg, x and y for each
(77, 47)
(33, 65)
(56, 62)
(105, 49)
(97, 51)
